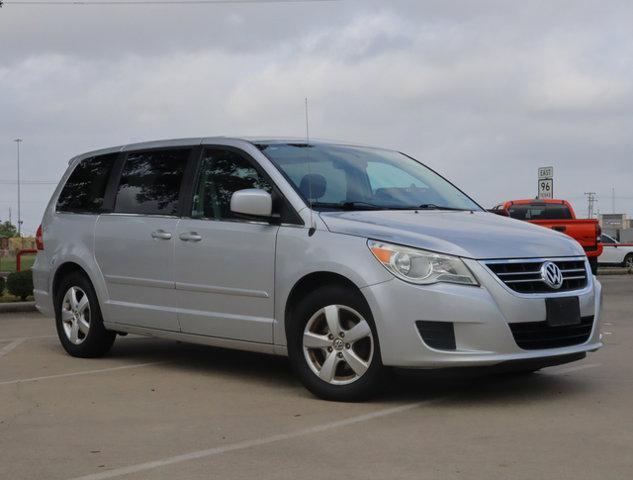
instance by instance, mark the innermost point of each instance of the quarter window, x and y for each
(85, 189)
(150, 182)
(222, 173)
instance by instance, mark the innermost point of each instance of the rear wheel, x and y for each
(78, 318)
(628, 261)
(333, 345)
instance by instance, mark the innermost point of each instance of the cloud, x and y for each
(482, 91)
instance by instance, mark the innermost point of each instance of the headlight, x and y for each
(421, 267)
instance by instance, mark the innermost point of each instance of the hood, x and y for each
(478, 235)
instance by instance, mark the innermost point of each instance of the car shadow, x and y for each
(206, 360)
(485, 387)
(470, 386)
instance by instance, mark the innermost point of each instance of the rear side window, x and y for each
(85, 189)
(150, 182)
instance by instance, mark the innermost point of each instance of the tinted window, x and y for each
(540, 212)
(150, 182)
(85, 189)
(222, 173)
(607, 239)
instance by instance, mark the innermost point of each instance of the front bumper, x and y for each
(480, 315)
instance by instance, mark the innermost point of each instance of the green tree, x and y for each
(8, 230)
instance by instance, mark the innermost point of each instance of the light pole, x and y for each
(18, 141)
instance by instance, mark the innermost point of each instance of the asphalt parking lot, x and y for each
(164, 410)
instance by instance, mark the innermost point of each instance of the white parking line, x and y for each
(7, 348)
(27, 338)
(577, 368)
(85, 372)
(139, 467)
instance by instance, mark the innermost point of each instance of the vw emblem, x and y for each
(551, 275)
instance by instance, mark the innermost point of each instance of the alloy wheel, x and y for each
(338, 344)
(76, 315)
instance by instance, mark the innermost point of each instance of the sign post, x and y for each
(545, 182)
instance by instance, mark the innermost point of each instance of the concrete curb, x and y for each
(15, 307)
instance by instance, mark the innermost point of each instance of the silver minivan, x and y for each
(347, 259)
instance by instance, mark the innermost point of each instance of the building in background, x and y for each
(617, 225)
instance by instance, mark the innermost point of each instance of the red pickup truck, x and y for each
(557, 215)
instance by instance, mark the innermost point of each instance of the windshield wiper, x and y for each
(356, 205)
(432, 206)
(360, 205)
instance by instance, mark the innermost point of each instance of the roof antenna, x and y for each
(312, 228)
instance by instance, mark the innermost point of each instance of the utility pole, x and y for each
(591, 200)
(612, 199)
(18, 141)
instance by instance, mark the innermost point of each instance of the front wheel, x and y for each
(628, 261)
(333, 345)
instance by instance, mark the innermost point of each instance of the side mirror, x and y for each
(252, 202)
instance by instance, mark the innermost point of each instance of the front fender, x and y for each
(299, 254)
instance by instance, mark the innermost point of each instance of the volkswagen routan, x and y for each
(349, 260)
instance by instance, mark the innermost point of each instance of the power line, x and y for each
(155, 2)
(617, 197)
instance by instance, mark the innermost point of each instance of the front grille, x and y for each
(439, 335)
(525, 276)
(539, 335)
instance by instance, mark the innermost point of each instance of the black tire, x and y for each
(628, 261)
(364, 387)
(593, 263)
(98, 341)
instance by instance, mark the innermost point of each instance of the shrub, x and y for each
(20, 284)
(2, 282)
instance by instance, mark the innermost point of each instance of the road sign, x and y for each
(546, 188)
(545, 172)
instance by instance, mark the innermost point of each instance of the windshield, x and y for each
(356, 178)
(542, 211)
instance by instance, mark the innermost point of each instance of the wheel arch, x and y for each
(310, 282)
(65, 269)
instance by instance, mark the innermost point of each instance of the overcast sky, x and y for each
(484, 92)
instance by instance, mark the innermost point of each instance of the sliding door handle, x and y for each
(190, 237)
(161, 235)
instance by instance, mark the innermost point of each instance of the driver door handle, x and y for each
(161, 235)
(190, 237)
